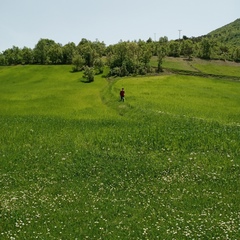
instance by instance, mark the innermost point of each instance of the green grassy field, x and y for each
(78, 164)
(218, 67)
(214, 67)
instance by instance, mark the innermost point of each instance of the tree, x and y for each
(41, 51)
(98, 65)
(90, 51)
(160, 56)
(146, 56)
(236, 54)
(205, 49)
(187, 48)
(99, 47)
(69, 51)
(118, 58)
(88, 74)
(174, 49)
(13, 56)
(88, 54)
(55, 53)
(224, 50)
(27, 55)
(78, 63)
(127, 58)
(2, 60)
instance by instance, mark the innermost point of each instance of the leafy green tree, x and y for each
(27, 55)
(223, 51)
(8, 57)
(78, 63)
(88, 74)
(236, 54)
(149, 40)
(2, 60)
(146, 56)
(55, 54)
(13, 56)
(88, 54)
(127, 58)
(69, 51)
(161, 54)
(116, 58)
(120, 52)
(116, 71)
(187, 48)
(174, 49)
(90, 51)
(99, 47)
(98, 65)
(41, 51)
(205, 49)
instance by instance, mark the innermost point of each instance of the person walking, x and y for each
(122, 95)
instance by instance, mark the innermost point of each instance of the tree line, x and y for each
(124, 58)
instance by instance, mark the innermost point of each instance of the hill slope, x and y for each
(229, 34)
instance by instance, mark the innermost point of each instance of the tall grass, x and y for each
(50, 91)
(119, 170)
(218, 67)
(196, 97)
(215, 67)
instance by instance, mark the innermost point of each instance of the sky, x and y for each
(24, 22)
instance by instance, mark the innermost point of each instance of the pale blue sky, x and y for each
(24, 22)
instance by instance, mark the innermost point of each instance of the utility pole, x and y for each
(154, 37)
(179, 34)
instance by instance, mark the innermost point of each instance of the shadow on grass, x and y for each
(85, 81)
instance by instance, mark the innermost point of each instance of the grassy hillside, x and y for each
(228, 34)
(196, 66)
(78, 164)
(50, 91)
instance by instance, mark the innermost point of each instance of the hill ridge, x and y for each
(228, 34)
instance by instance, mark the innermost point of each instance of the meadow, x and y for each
(78, 164)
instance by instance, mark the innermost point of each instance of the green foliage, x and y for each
(27, 56)
(187, 49)
(99, 65)
(69, 51)
(13, 56)
(236, 54)
(228, 34)
(131, 57)
(78, 63)
(174, 49)
(42, 49)
(160, 55)
(205, 49)
(90, 51)
(55, 54)
(88, 74)
(128, 58)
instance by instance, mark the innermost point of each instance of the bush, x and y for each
(88, 74)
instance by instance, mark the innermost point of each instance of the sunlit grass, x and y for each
(177, 64)
(97, 168)
(50, 91)
(189, 96)
(218, 67)
(215, 67)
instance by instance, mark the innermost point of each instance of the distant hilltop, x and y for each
(228, 34)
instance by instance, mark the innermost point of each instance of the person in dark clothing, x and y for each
(122, 95)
